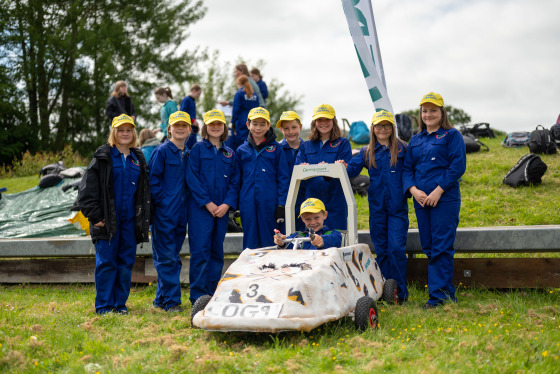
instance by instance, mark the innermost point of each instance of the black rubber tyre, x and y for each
(390, 291)
(199, 305)
(366, 314)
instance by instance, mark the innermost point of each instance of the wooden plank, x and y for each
(495, 272)
(77, 270)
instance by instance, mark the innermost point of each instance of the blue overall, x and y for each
(388, 211)
(114, 258)
(188, 105)
(212, 176)
(169, 196)
(437, 159)
(330, 239)
(242, 105)
(264, 186)
(291, 155)
(328, 190)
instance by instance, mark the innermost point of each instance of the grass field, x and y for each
(54, 329)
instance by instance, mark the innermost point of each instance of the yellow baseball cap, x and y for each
(323, 111)
(179, 117)
(121, 120)
(214, 115)
(259, 113)
(433, 98)
(381, 116)
(312, 205)
(287, 116)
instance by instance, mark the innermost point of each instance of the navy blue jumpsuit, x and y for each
(437, 159)
(291, 155)
(264, 186)
(328, 190)
(242, 105)
(114, 258)
(388, 211)
(212, 176)
(169, 196)
(188, 105)
(330, 239)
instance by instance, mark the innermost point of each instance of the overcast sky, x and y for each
(497, 60)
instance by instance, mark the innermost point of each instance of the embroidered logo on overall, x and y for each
(441, 136)
(401, 148)
(135, 162)
(227, 154)
(271, 148)
(336, 143)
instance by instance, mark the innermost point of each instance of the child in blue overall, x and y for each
(290, 125)
(264, 181)
(188, 105)
(325, 145)
(168, 167)
(388, 208)
(245, 99)
(313, 214)
(114, 195)
(213, 180)
(434, 162)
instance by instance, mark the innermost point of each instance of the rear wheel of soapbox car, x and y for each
(390, 291)
(366, 314)
(199, 305)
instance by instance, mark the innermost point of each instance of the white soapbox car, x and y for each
(271, 290)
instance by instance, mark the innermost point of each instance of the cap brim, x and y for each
(176, 122)
(435, 102)
(259, 116)
(317, 210)
(322, 115)
(279, 123)
(379, 120)
(122, 123)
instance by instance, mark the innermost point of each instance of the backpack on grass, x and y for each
(359, 132)
(472, 144)
(516, 139)
(479, 130)
(528, 171)
(541, 141)
(555, 132)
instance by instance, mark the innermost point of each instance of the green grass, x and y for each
(18, 184)
(47, 328)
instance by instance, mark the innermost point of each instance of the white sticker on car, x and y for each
(235, 310)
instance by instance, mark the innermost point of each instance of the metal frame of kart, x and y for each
(335, 171)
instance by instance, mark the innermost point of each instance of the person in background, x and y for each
(240, 70)
(188, 105)
(290, 125)
(264, 181)
(257, 78)
(244, 100)
(434, 162)
(114, 195)
(170, 193)
(148, 142)
(388, 208)
(120, 102)
(326, 145)
(165, 97)
(213, 180)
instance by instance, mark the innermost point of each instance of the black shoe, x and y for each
(175, 309)
(431, 306)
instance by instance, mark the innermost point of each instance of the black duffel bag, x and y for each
(472, 144)
(479, 130)
(528, 171)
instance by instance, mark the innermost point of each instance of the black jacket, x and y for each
(96, 196)
(118, 105)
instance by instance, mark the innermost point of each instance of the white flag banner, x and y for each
(359, 15)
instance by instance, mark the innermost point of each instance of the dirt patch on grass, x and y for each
(166, 340)
(177, 351)
(13, 359)
(358, 341)
(37, 328)
(88, 325)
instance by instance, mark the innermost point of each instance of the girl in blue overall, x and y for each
(213, 180)
(325, 145)
(114, 195)
(168, 167)
(434, 162)
(388, 208)
(164, 96)
(290, 125)
(264, 181)
(245, 99)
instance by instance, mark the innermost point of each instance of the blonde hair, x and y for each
(334, 135)
(112, 140)
(204, 132)
(394, 144)
(145, 134)
(243, 81)
(118, 86)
